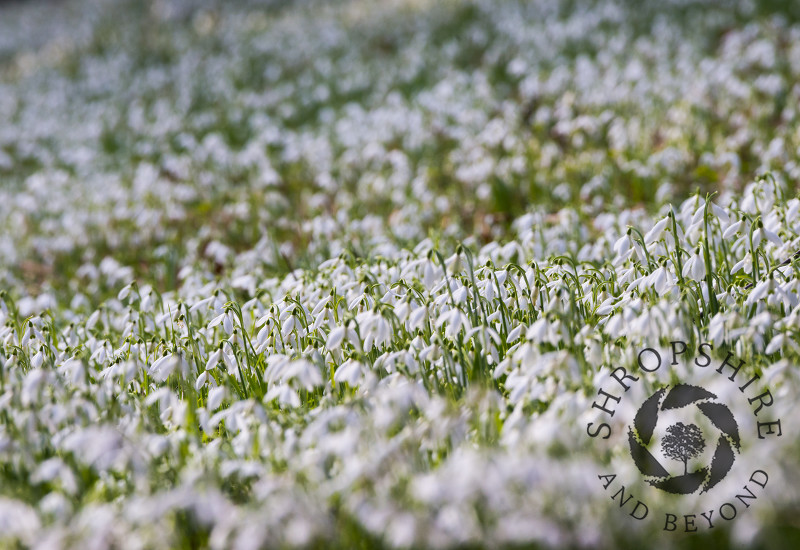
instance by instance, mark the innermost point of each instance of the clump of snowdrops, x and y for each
(315, 275)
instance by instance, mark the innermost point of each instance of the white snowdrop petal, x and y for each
(215, 397)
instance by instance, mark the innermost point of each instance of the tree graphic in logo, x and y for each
(683, 442)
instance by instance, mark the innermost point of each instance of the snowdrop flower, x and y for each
(775, 344)
(726, 297)
(214, 358)
(323, 317)
(291, 324)
(695, 267)
(732, 229)
(284, 394)
(606, 306)
(760, 291)
(305, 372)
(92, 320)
(163, 367)
(350, 372)
(745, 263)
(125, 292)
(418, 317)
(719, 212)
(453, 320)
(202, 379)
(716, 328)
(225, 319)
(336, 337)
(375, 329)
(201, 304)
(623, 244)
(762, 233)
(515, 333)
(661, 280)
(215, 397)
(403, 310)
(537, 332)
(655, 232)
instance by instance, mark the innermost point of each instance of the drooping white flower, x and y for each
(418, 317)
(623, 245)
(745, 263)
(284, 394)
(226, 319)
(304, 372)
(661, 280)
(213, 359)
(760, 291)
(514, 334)
(695, 267)
(163, 367)
(453, 320)
(350, 372)
(732, 229)
(215, 397)
(656, 231)
(336, 337)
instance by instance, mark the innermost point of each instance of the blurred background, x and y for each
(161, 134)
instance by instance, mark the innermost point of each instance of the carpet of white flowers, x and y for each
(349, 274)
